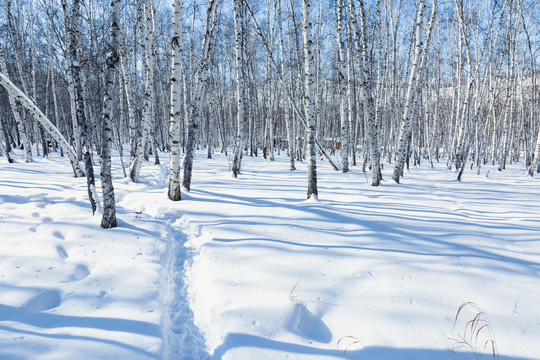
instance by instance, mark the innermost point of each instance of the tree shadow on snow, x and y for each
(51, 321)
(11, 351)
(236, 340)
(34, 314)
(401, 229)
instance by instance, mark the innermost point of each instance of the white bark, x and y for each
(535, 164)
(148, 92)
(240, 101)
(71, 86)
(309, 100)
(176, 103)
(286, 100)
(6, 147)
(510, 87)
(33, 69)
(109, 205)
(128, 94)
(366, 89)
(350, 103)
(343, 86)
(82, 121)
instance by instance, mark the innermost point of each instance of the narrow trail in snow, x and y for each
(182, 339)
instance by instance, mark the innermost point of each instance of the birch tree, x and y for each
(5, 147)
(109, 205)
(534, 167)
(238, 39)
(82, 121)
(309, 98)
(366, 88)
(285, 98)
(148, 106)
(38, 131)
(535, 163)
(68, 23)
(343, 93)
(511, 39)
(176, 103)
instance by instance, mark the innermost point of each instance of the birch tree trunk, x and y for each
(109, 205)
(535, 164)
(130, 97)
(350, 103)
(285, 98)
(534, 167)
(269, 118)
(309, 98)
(5, 148)
(68, 23)
(79, 101)
(510, 87)
(343, 92)
(238, 37)
(176, 103)
(148, 93)
(366, 89)
(406, 121)
(372, 121)
(34, 98)
(52, 76)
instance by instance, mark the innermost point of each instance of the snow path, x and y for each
(182, 339)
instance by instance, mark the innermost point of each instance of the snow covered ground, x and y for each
(248, 269)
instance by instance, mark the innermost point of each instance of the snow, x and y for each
(248, 269)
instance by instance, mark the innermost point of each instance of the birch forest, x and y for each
(346, 82)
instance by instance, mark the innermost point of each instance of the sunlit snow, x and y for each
(246, 268)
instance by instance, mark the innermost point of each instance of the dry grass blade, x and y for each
(461, 307)
(493, 348)
(291, 296)
(478, 332)
(354, 341)
(475, 329)
(345, 337)
(351, 344)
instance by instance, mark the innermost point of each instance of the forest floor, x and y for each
(246, 268)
